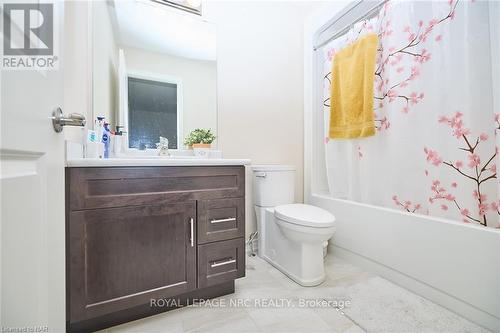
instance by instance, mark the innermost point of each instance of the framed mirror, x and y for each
(153, 77)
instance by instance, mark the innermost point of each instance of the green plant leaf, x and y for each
(199, 135)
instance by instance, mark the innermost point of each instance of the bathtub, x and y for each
(453, 264)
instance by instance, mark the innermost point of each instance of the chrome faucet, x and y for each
(162, 147)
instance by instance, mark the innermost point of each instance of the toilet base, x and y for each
(311, 282)
(301, 262)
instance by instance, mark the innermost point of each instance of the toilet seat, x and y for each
(305, 215)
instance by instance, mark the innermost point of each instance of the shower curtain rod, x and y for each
(366, 15)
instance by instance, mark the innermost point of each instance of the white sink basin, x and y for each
(156, 157)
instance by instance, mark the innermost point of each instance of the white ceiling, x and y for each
(159, 28)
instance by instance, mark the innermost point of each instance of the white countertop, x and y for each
(158, 161)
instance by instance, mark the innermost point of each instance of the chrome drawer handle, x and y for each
(229, 219)
(191, 222)
(222, 263)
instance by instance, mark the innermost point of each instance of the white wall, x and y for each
(199, 83)
(260, 82)
(77, 66)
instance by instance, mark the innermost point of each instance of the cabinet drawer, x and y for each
(220, 262)
(91, 188)
(221, 219)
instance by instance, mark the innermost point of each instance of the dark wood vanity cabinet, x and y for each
(135, 234)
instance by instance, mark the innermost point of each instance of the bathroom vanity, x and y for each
(142, 227)
(158, 230)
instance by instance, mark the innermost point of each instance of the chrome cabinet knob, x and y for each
(59, 120)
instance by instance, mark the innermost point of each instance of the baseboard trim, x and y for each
(448, 301)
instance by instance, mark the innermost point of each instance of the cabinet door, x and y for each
(123, 257)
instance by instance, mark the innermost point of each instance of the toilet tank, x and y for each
(273, 185)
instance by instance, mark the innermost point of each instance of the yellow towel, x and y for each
(351, 106)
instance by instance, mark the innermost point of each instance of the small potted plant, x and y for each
(200, 140)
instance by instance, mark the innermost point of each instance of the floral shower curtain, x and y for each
(437, 111)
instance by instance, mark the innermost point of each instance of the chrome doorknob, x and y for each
(59, 120)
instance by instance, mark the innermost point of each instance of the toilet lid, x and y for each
(305, 215)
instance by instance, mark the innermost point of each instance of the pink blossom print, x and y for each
(478, 172)
(406, 204)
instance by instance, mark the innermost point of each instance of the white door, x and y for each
(32, 255)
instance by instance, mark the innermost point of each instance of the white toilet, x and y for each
(291, 236)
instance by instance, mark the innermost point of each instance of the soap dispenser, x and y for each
(106, 139)
(99, 127)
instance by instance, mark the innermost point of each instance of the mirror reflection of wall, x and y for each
(155, 77)
(105, 63)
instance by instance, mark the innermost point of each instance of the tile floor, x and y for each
(376, 305)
